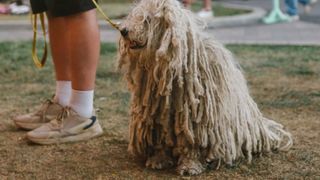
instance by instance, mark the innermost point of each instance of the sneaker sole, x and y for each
(94, 132)
(27, 126)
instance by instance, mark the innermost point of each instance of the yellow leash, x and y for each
(34, 18)
(116, 26)
(35, 57)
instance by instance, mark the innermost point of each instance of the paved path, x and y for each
(304, 32)
(297, 33)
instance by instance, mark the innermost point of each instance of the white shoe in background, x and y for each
(19, 9)
(205, 13)
(294, 18)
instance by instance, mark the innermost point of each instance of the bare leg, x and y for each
(75, 43)
(59, 48)
(61, 59)
(207, 5)
(84, 48)
(206, 11)
(84, 45)
(187, 3)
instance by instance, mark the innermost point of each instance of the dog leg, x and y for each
(190, 164)
(160, 160)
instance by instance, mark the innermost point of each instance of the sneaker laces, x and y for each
(57, 123)
(63, 115)
(44, 108)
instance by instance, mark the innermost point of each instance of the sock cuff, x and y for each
(82, 102)
(77, 95)
(82, 92)
(63, 84)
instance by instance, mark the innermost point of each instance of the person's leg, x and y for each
(292, 7)
(206, 11)
(77, 122)
(19, 2)
(50, 109)
(61, 58)
(307, 4)
(84, 43)
(207, 5)
(187, 3)
(84, 46)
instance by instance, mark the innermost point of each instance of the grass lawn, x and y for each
(284, 80)
(119, 9)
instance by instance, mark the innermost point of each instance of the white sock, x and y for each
(63, 92)
(82, 102)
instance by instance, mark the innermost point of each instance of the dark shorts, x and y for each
(58, 8)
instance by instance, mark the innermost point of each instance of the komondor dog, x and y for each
(190, 104)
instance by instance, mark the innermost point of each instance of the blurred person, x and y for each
(75, 46)
(292, 7)
(205, 12)
(18, 7)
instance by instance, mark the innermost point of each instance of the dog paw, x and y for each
(190, 167)
(159, 162)
(214, 164)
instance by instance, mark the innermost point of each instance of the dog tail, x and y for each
(280, 138)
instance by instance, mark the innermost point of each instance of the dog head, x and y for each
(155, 25)
(159, 36)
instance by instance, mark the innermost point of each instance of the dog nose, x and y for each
(124, 32)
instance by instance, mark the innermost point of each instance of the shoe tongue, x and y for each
(43, 109)
(54, 109)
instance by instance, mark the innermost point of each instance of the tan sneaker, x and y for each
(68, 127)
(47, 112)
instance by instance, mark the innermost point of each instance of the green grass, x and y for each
(293, 60)
(296, 64)
(291, 99)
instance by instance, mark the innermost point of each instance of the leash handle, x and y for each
(36, 60)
